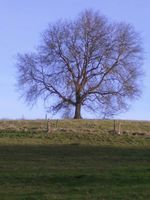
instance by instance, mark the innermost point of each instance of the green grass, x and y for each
(79, 160)
(72, 172)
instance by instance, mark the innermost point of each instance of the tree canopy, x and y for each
(86, 63)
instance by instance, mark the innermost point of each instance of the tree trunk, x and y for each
(77, 111)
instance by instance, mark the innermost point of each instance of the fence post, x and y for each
(119, 128)
(49, 128)
(114, 126)
(47, 124)
(57, 123)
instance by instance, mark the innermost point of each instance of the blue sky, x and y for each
(22, 22)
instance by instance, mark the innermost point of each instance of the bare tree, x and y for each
(85, 63)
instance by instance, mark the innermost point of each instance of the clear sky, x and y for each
(21, 23)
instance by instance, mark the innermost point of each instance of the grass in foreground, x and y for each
(70, 172)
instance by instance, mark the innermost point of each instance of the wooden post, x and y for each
(49, 129)
(57, 123)
(119, 129)
(47, 124)
(114, 126)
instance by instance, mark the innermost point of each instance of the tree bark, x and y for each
(77, 111)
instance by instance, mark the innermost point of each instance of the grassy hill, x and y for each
(76, 160)
(75, 132)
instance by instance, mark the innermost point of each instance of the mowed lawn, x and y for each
(74, 171)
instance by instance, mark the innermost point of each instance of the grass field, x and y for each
(85, 163)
